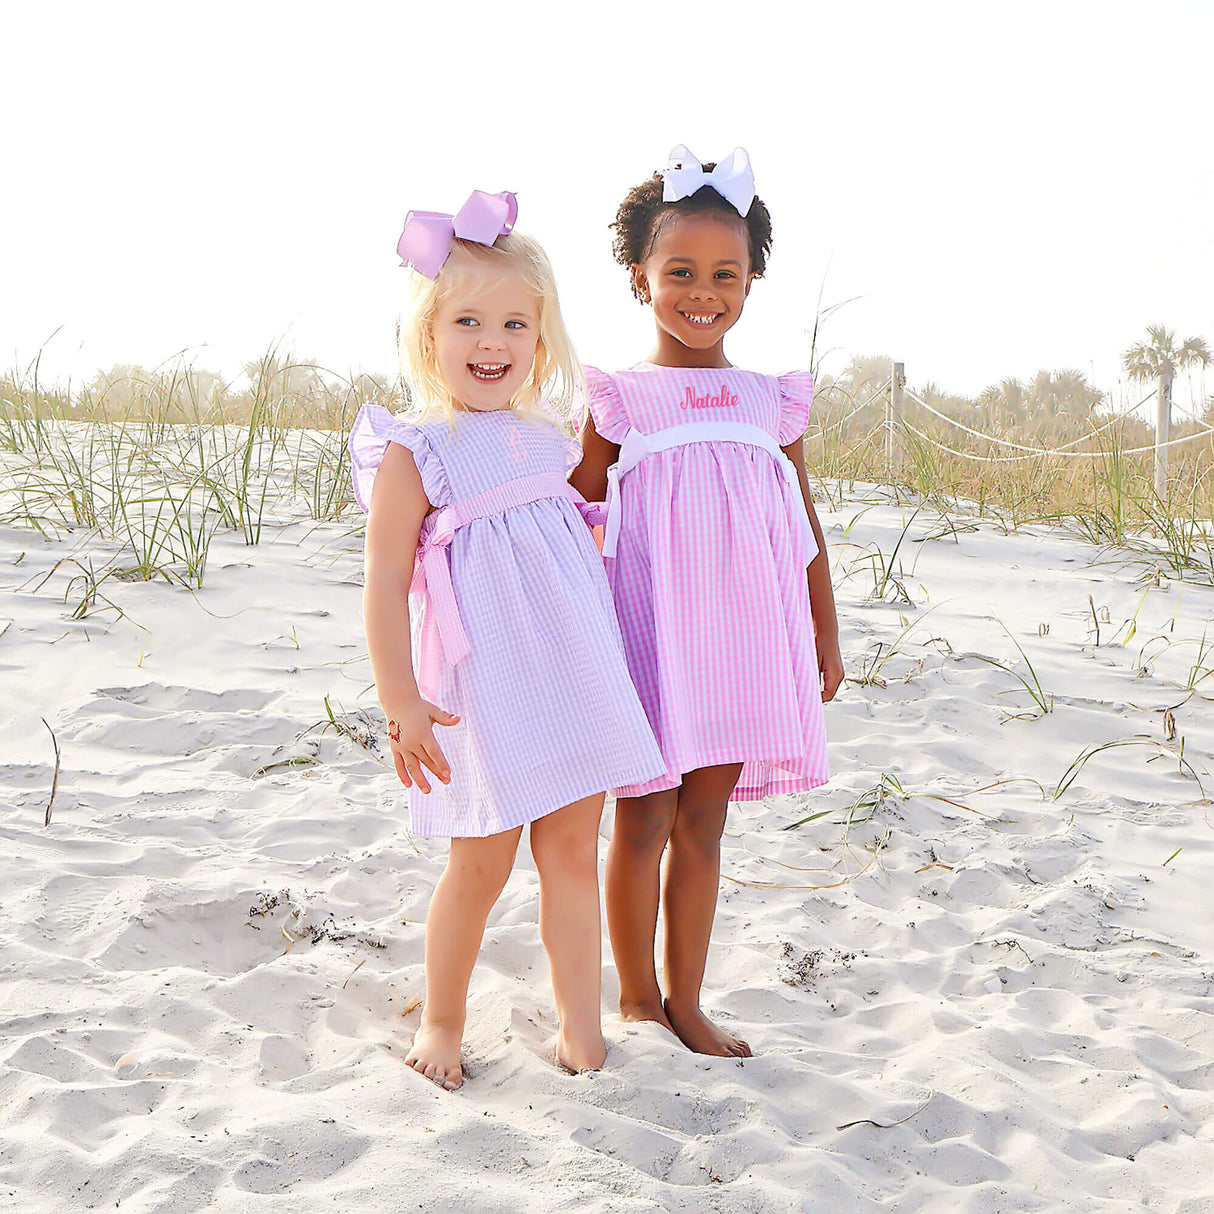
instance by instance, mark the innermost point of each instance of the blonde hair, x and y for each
(555, 375)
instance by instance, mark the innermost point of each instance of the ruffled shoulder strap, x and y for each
(606, 405)
(548, 412)
(374, 428)
(796, 395)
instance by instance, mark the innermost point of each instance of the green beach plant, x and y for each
(1029, 681)
(1161, 749)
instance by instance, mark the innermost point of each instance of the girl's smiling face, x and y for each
(485, 342)
(697, 276)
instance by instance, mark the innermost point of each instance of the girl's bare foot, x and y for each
(435, 1054)
(644, 1009)
(700, 1035)
(576, 1055)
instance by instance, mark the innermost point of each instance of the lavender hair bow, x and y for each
(732, 178)
(425, 244)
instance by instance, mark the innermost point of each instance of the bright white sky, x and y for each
(1004, 187)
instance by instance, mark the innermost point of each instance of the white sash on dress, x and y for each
(637, 446)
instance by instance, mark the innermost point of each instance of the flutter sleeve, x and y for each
(559, 421)
(796, 395)
(606, 405)
(573, 454)
(374, 428)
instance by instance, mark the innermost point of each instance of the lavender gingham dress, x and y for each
(547, 712)
(709, 578)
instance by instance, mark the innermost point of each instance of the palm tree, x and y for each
(1000, 408)
(864, 374)
(1160, 359)
(1075, 391)
(1066, 391)
(1007, 395)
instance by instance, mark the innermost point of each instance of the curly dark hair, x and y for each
(643, 213)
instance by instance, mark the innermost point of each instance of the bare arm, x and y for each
(398, 506)
(821, 593)
(589, 478)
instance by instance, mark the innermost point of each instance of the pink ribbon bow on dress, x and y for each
(425, 244)
(443, 637)
(442, 628)
(732, 178)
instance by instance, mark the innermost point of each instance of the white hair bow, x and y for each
(732, 178)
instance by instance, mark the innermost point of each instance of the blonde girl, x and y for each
(516, 653)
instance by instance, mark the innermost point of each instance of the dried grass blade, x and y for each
(847, 1125)
(55, 778)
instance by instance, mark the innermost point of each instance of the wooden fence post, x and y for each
(1163, 430)
(893, 422)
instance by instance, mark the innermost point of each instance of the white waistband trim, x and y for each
(638, 446)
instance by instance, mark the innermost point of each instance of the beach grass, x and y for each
(1094, 479)
(161, 461)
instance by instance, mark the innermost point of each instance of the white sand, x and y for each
(1021, 982)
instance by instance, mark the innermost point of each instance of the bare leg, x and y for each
(565, 847)
(475, 874)
(634, 865)
(693, 872)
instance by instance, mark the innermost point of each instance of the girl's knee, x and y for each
(572, 870)
(643, 824)
(481, 865)
(475, 885)
(700, 826)
(568, 835)
(566, 850)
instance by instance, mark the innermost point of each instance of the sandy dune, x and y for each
(964, 995)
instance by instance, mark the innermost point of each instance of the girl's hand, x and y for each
(411, 736)
(830, 666)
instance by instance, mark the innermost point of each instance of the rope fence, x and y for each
(1061, 452)
(1034, 452)
(859, 408)
(896, 425)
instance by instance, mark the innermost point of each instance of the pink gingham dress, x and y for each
(547, 712)
(709, 575)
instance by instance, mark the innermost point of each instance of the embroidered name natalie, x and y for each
(719, 400)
